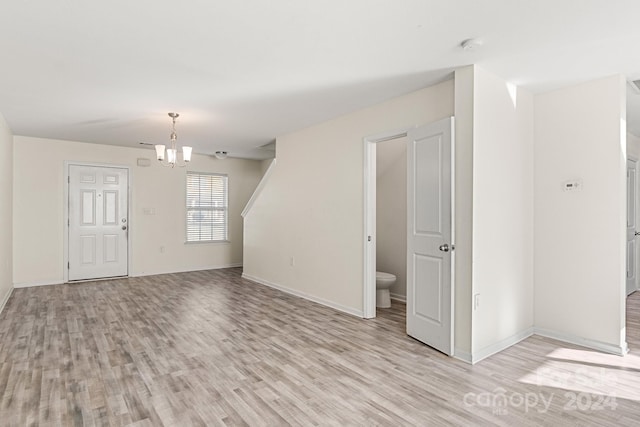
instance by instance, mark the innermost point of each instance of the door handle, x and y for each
(637, 233)
(124, 227)
(445, 247)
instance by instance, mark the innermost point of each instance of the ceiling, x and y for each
(241, 73)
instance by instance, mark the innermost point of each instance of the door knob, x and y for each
(637, 233)
(124, 227)
(444, 248)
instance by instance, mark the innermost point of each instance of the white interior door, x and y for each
(429, 235)
(98, 222)
(631, 226)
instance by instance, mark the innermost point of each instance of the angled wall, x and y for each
(305, 231)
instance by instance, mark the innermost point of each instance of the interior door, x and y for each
(98, 222)
(631, 226)
(429, 235)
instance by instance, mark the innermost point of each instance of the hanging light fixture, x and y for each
(172, 149)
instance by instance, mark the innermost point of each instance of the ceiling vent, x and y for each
(635, 85)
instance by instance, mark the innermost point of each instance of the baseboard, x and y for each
(398, 297)
(155, 273)
(462, 355)
(492, 349)
(584, 342)
(187, 270)
(304, 295)
(5, 299)
(38, 283)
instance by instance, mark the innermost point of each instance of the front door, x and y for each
(98, 222)
(429, 237)
(631, 226)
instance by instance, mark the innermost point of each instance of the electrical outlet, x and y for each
(161, 249)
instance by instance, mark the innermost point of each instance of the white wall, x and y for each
(391, 212)
(312, 207)
(6, 211)
(38, 209)
(579, 250)
(464, 117)
(502, 213)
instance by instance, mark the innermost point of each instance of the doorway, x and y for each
(429, 231)
(97, 222)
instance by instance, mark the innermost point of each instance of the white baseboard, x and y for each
(462, 355)
(584, 342)
(398, 297)
(304, 295)
(38, 283)
(5, 299)
(186, 270)
(142, 274)
(492, 349)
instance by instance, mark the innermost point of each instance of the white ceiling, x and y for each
(241, 73)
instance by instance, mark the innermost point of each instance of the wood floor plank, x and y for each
(209, 348)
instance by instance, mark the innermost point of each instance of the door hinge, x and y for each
(69, 179)
(68, 267)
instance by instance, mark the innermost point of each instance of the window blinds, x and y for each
(207, 207)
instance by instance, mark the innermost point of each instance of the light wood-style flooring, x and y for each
(209, 348)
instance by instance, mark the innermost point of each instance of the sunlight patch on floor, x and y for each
(589, 372)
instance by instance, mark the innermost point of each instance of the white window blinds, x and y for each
(207, 207)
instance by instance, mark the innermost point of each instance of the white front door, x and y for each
(429, 237)
(98, 222)
(631, 226)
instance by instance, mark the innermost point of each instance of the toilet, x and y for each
(383, 282)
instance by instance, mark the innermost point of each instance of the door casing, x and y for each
(634, 197)
(65, 227)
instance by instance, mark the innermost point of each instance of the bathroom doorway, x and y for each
(370, 222)
(417, 229)
(391, 214)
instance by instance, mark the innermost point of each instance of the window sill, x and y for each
(204, 242)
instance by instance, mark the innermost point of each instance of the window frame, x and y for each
(225, 209)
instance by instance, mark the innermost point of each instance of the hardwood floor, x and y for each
(209, 348)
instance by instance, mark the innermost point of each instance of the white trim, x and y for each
(637, 161)
(462, 355)
(38, 283)
(306, 296)
(398, 297)
(143, 274)
(65, 218)
(619, 350)
(369, 204)
(258, 189)
(188, 270)
(5, 299)
(492, 349)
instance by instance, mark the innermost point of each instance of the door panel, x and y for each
(429, 223)
(98, 222)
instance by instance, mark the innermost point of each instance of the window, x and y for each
(207, 207)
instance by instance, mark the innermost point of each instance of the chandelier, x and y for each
(172, 148)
